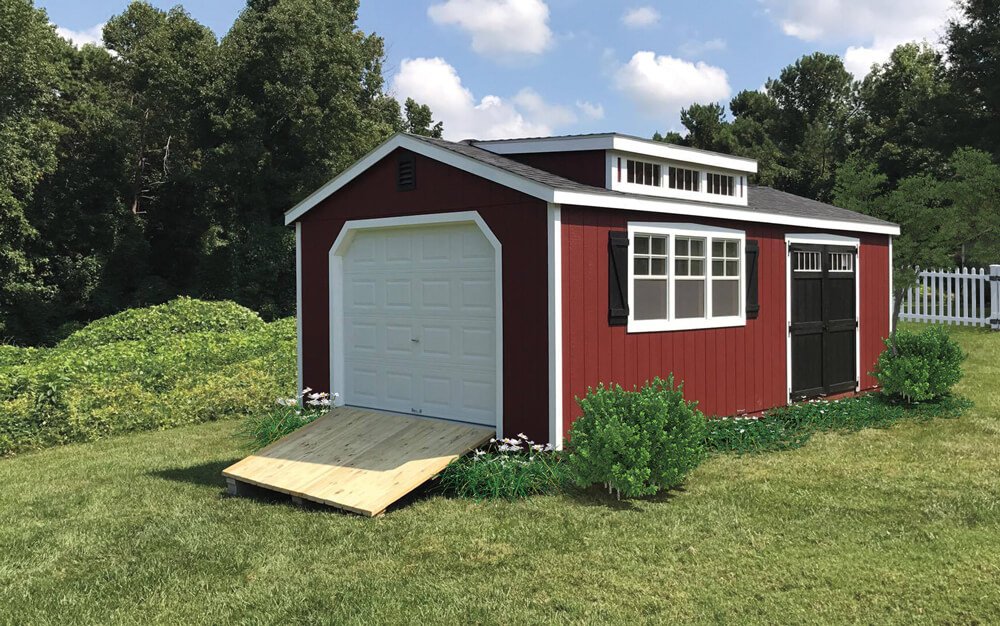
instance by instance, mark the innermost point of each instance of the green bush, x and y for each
(922, 366)
(636, 442)
(508, 469)
(179, 363)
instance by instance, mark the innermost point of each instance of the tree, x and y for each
(32, 68)
(974, 71)
(420, 120)
(903, 122)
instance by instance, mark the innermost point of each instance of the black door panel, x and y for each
(823, 326)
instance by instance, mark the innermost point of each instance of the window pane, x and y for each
(697, 267)
(681, 247)
(732, 268)
(641, 267)
(718, 268)
(697, 247)
(732, 249)
(718, 248)
(680, 267)
(630, 167)
(656, 175)
(690, 296)
(659, 267)
(650, 300)
(725, 298)
(672, 176)
(641, 245)
(659, 245)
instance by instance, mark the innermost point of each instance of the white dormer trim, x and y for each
(551, 195)
(618, 181)
(622, 143)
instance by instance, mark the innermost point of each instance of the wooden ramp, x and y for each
(358, 460)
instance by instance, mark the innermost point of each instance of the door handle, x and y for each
(415, 340)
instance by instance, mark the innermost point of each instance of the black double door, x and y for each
(824, 323)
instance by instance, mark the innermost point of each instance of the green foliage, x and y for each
(161, 165)
(264, 428)
(180, 363)
(790, 427)
(635, 442)
(920, 367)
(509, 469)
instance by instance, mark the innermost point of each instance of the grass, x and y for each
(894, 525)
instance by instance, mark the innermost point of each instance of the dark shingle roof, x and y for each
(760, 199)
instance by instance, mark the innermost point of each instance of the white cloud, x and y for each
(696, 48)
(661, 85)
(591, 111)
(432, 81)
(641, 17)
(502, 27)
(79, 38)
(875, 26)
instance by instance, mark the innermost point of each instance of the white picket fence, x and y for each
(959, 296)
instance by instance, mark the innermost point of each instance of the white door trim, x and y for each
(821, 239)
(336, 283)
(298, 307)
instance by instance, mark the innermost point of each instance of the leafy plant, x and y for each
(508, 469)
(636, 443)
(183, 362)
(289, 415)
(919, 367)
(790, 427)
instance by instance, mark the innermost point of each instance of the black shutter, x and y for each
(753, 254)
(406, 172)
(617, 278)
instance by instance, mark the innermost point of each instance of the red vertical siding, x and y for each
(874, 292)
(584, 166)
(727, 370)
(518, 221)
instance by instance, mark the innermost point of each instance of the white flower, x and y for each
(480, 452)
(538, 447)
(493, 439)
(549, 447)
(521, 436)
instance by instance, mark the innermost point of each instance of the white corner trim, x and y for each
(336, 282)
(672, 230)
(564, 197)
(822, 239)
(555, 326)
(298, 306)
(892, 290)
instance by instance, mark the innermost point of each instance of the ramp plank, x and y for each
(359, 460)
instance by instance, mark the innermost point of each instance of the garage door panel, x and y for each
(420, 322)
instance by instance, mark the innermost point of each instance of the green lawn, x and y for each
(880, 526)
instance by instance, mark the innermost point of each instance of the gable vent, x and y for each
(406, 172)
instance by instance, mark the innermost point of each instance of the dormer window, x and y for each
(721, 184)
(643, 173)
(685, 179)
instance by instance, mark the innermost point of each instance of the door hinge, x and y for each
(417, 411)
(995, 278)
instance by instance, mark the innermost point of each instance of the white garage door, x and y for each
(420, 322)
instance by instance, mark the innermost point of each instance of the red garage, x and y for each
(492, 282)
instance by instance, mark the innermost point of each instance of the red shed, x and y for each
(493, 282)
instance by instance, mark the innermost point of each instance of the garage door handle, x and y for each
(415, 340)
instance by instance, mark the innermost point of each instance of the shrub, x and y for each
(180, 316)
(508, 469)
(179, 363)
(636, 442)
(923, 366)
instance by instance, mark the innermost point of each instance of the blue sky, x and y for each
(505, 68)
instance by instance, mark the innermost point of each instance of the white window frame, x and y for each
(671, 231)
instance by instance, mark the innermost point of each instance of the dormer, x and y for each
(636, 166)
